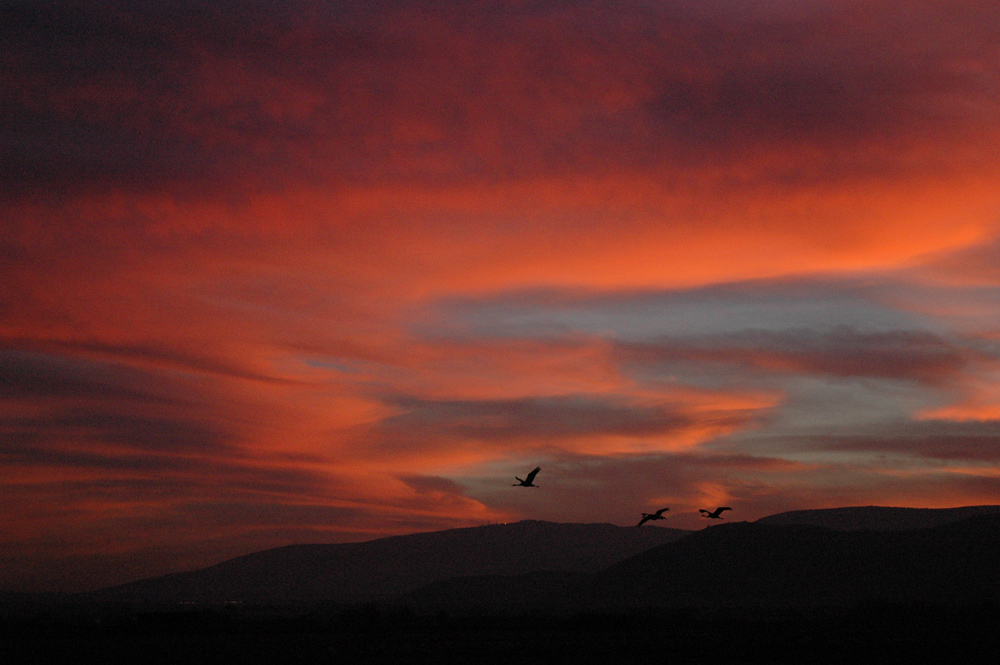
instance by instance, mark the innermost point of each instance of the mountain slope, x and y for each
(878, 518)
(747, 563)
(389, 566)
(751, 564)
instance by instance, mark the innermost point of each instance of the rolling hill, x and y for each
(743, 565)
(823, 557)
(878, 518)
(383, 568)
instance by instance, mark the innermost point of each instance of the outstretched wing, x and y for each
(720, 509)
(659, 513)
(703, 511)
(531, 476)
(645, 518)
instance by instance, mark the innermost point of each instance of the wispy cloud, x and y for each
(843, 352)
(932, 439)
(547, 421)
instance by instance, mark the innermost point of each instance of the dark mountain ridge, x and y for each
(732, 592)
(383, 568)
(874, 553)
(745, 564)
(878, 518)
(748, 564)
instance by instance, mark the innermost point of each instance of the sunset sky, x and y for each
(286, 272)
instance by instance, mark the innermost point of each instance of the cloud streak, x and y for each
(556, 421)
(937, 440)
(843, 352)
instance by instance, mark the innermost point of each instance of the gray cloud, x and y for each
(704, 312)
(974, 441)
(978, 264)
(542, 418)
(27, 374)
(843, 352)
(156, 354)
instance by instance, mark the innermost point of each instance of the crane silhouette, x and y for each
(715, 514)
(658, 515)
(528, 480)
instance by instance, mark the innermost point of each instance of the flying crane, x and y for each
(715, 514)
(658, 515)
(527, 482)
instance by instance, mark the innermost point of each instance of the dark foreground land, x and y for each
(546, 593)
(859, 634)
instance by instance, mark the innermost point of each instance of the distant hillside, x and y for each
(878, 518)
(752, 564)
(746, 563)
(388, 566)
